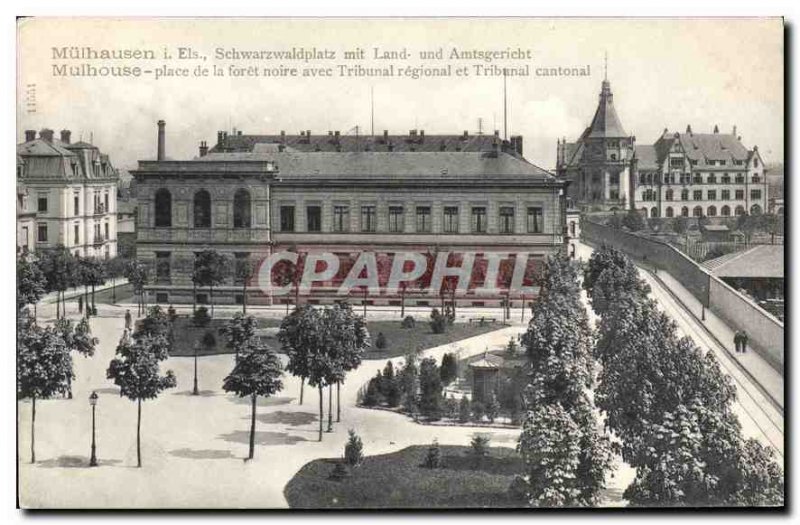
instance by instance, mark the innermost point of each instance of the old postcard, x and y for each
(400, 263)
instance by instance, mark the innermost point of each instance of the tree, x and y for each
(430, 385)
(480, 447)
(211, 269)
(78, 338)
(389, 388)
(372, 395)
(492, 408)
(200, 317)
(634, 221)
(449, 368)
(438, 322)
(59, 267)
(433, 459)
(463, 410)
(257, 372)
(115, 268)
(605, 257)
(354, 449)
(300, 340)
(244, 271)
(409, 383)
(680, 224)
(31, 282)
(380, 341)
(239, 332)
(136, 371)
(44, 367)
(138, 275)
(347, 338)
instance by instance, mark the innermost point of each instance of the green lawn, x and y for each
(402, 341)
(124, 293)
(398, 480)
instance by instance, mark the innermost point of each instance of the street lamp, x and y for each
(93, 403)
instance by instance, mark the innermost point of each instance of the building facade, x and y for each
(682, 174)
(251, 197)
(66, 196)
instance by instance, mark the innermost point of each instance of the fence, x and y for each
(764, 330)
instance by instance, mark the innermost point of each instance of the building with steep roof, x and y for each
(66, 191)
(251, 196)
(600, 162)
(688, 174)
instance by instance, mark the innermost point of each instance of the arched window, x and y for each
(755, 209)
(653, 212)
(669, 211)
(725, 211)
(684, 195)
(697, 211)
(740, 210)
(163, 208)
(241, 209)
(669, 195)
(644, 212)
(711, 211)
(202, 209)
(684, 212)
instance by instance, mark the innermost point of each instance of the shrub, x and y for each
(389, 386)
(171, 314)
(339, 472)
(512, 348)
(430, 384)
(449, 368)
(380, 341)
(354, 449)
(209, 341)
(408, 322)
(201, 317)
(433, 459)
(438, 322)
(463, 410)
(478, 411)
(492, 408)
(451, 408)
(634, 221)
(480, 446)
(372, 396)
(518, 489)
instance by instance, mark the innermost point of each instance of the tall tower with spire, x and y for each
(599, 163)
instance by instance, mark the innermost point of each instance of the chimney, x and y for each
(734, 130)
(30, 134)
(466, 135)
(161, 140)
(46, 135)
(239, 133)
(689, 129)
(518, 145)
(203, 148)
(716, 129)
(308, 136)
(385, 136)
(422, 135)
(65, 134)
(283, 136)
(220, 137)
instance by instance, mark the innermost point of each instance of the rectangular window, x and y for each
(739, 178)
(676, 162)
(105, 201)
(341, 218)
(287, 218)
(396, 224)
(535, 220)
(755, 194)
(42, 233)
(739, 195)
(756, 179)
(712, 195)
(698, 179)
(451, 219)
(479, 219)
(162, 267)
(314, 218)
(42, 204)
(368, 222)
(105, 225)
(77, 231)
(726, 195)
(424, 219)
(77, 203)
(97, 237)
(697, 195)
(506, 219)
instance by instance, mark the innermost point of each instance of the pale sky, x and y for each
(663, 73)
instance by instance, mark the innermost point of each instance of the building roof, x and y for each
(488, 361)
(704, 147)
(415, 141)
(606, 123)
(56, 160)
(647, 157)
(292, 164)
(762, 261)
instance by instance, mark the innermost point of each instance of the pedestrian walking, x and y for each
(128, 321)
(737, 340)
(744, 341)
(80, 304)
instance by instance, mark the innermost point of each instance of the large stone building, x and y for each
(688, 174)
(66, 195)
(251, 196)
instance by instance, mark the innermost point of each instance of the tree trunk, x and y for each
(69, 385)
(402, 302)
(244, 297)
(211, 296)
(287, 306)
(113, 290)
(321, 415)
(302, 383)
(252, 429)
(330, 408)
(138, 434)
(33, 429)
(86, 299)
(338, 401)
(93, 303)
(194, 296)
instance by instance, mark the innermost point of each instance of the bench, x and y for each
(483, 319)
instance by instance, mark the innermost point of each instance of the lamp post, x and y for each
(93, 403)
(195, 391)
